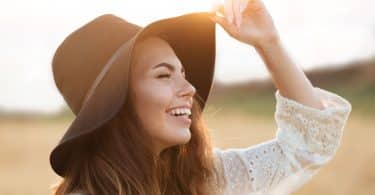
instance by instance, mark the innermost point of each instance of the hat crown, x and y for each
(83, 54)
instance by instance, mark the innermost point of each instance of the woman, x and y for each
(155, 142)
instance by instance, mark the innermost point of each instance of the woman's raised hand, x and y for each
(246, 20)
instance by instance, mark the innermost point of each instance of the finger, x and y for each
(228, 10)
(223, 23)
(236, 12)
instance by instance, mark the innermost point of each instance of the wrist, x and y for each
(267, 43)
(271, 50)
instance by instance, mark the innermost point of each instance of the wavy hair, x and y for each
(118, 159)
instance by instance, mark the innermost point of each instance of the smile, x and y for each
(181, 118)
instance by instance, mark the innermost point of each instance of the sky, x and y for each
(315, 33)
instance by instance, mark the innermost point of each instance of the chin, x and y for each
(187, 136)
(182, 138)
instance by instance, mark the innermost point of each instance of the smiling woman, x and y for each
(133, 142)
(133, 88)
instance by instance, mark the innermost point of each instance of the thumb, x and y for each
(223, 23)
(218, 19)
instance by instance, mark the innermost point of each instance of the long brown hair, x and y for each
(118, 159)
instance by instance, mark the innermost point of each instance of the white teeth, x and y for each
(180, 111)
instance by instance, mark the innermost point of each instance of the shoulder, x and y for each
(218, 181)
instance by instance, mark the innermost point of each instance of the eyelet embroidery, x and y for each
(305, 137)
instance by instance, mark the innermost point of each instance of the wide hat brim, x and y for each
(192, 36)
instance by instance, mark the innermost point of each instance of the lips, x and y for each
(184, 106)
(184, 119)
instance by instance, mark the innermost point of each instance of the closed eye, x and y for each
(164, 76)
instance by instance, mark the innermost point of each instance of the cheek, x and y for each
(151, 103)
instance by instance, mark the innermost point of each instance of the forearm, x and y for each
(286, 75)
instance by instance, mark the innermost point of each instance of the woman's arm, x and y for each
(286, 75)
(308, 132)
(249, 22)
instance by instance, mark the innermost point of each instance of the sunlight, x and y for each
(208, 5)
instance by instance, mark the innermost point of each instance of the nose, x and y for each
(187, 89)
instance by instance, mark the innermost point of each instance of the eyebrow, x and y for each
(169, 66)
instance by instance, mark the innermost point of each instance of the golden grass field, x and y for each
(25, 146)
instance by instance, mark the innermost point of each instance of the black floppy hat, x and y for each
(91, 67)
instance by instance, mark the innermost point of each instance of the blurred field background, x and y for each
(237, 115)
(323, 37)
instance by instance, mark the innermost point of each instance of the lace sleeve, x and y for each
(306, 138)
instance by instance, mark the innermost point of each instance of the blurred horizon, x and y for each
(354, 80)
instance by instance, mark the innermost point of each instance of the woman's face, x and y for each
(158, 85)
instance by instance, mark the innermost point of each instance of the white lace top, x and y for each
(306, 139)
